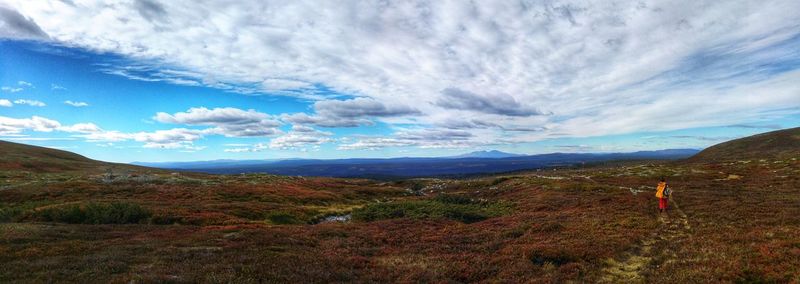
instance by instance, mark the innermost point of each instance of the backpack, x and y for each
(666, 192)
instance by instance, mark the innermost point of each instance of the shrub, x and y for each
(441, 207)
(453, 199)
(283, 218)
(96, 213)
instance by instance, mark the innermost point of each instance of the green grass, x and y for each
(451, 207)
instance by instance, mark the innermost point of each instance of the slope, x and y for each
(15, 156)
(775, 144)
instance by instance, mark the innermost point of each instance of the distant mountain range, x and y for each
(471, 163)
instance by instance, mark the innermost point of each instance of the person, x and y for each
(662, 193)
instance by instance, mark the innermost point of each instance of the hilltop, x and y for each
(770, 145)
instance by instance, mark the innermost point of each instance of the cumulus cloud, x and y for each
(30, 102)
(176, 138)
(230, 122)
(15, 25)
(9, 125)
(595, 68)
(5, 103)
(300, 136)
(76, 104)
(56, 87)
(501, 104)
(360, 107)
(349, 113)
(81, 128)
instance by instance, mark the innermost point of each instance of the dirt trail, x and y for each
(630, 267)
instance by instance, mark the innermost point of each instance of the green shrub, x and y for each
(453, 199)
(95, 213)
(16, 212)
(283, 218)
(452, 207)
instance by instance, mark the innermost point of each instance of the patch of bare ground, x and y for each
(635, 264)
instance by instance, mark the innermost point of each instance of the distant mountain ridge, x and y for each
(476, 163)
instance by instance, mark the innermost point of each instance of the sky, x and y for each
(180, 80)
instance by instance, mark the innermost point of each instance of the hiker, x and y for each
(662, 193)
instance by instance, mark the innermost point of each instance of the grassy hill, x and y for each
(15, 156)
(23, 157)
(775, 144)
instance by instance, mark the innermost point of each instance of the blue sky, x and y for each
(142, 81)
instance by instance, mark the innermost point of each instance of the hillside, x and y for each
(775, 144)
(23, 157)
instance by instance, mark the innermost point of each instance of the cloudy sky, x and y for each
(147, 80)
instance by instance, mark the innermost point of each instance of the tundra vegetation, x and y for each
(732, 221)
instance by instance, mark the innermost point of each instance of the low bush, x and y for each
(95, 213)
(452, 207)
(283, 218)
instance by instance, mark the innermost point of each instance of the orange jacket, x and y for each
(660, 189)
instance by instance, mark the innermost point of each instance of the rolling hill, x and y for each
(16, 156)
(775, 144)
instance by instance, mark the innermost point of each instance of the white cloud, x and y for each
(594, 68)
(230, 122)
(81, 128)
(423, 138)
(11, 126)
(299, 137)
(55, 87)
(30, 102)
(176, 138)
(5, 103)
(349, 113)
(21, 84)
(11, 89)
(76, 104)
(276, 84)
